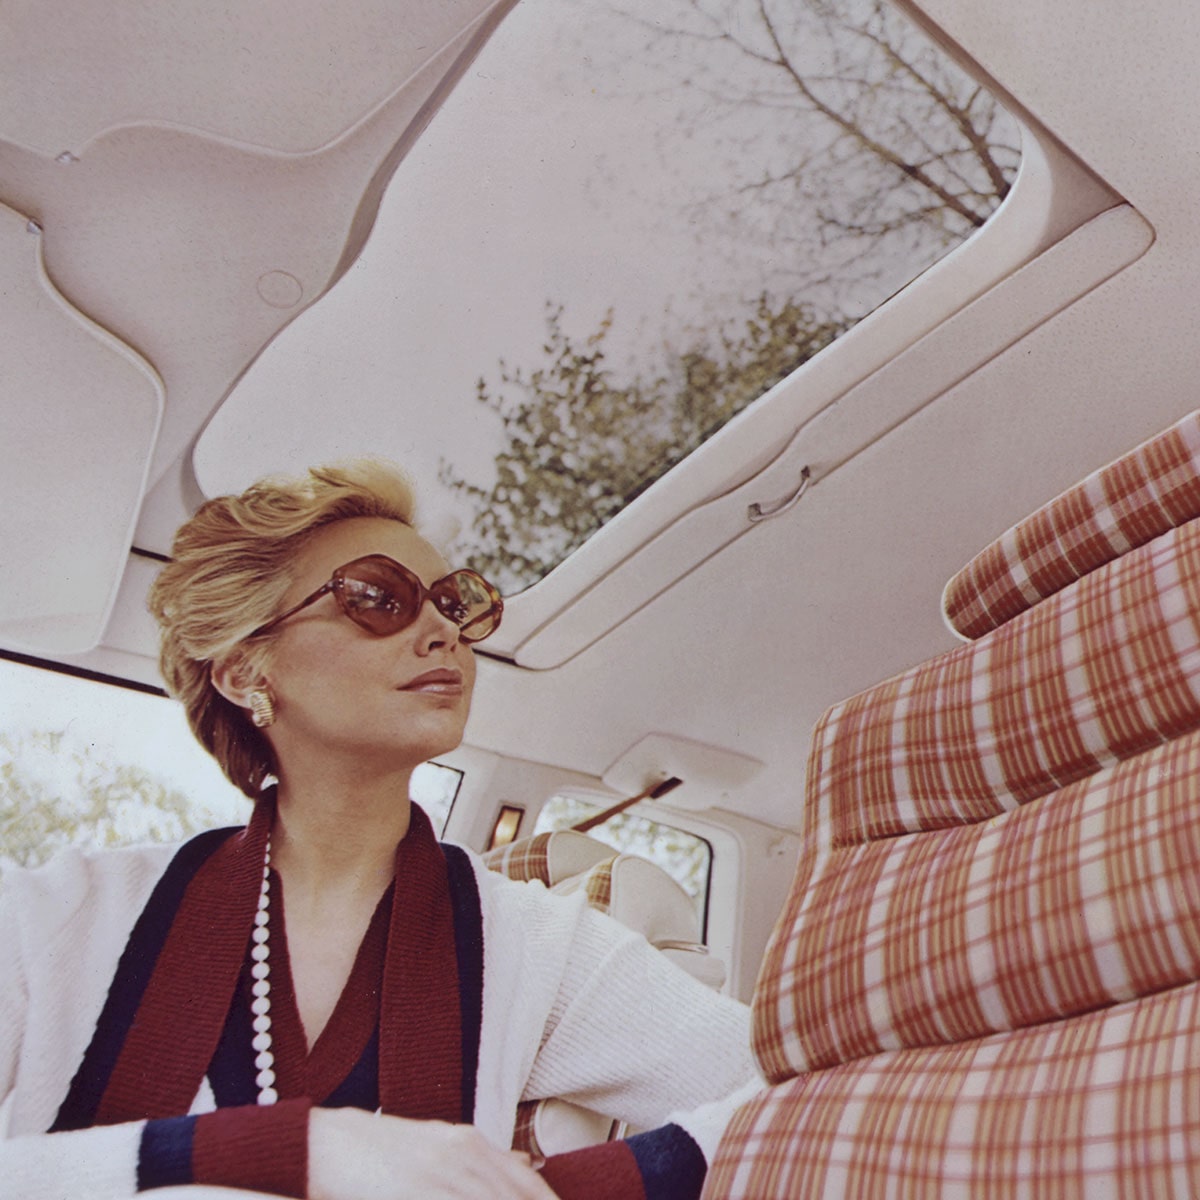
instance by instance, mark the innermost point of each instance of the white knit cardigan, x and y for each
(575, 1006)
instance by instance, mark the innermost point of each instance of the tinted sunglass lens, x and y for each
(379, 597)
(468, 600)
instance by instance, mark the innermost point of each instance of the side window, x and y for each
(684, 856)
(435, 788)
(88, 763)
(58, 789)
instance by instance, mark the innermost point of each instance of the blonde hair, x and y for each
(228, 574)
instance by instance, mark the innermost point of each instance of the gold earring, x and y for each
(262, 708)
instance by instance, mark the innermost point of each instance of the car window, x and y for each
(89, 763)
(684, 856)
(435, 787)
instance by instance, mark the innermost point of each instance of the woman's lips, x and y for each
(440, 682)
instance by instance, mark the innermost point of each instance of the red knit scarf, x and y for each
(166, 1049)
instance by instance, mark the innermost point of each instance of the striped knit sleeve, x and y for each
(664, 1164)
(256, 1149)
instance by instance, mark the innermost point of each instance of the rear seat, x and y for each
(634, 891)
(986, 980)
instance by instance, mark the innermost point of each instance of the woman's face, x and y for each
(389, 702)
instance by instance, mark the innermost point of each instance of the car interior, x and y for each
(898, 659)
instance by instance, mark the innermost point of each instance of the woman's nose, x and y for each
(434, 628)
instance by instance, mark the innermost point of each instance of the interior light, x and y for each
(508, 824)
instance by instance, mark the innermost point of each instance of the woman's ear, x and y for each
(235, 676)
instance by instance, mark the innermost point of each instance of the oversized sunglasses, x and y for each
(383, 597)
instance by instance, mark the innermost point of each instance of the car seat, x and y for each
(985, 982)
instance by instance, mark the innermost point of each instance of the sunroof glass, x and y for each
(804, 160)
(626, 224)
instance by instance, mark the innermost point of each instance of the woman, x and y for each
(239, 1010)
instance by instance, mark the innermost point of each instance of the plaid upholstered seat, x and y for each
(984, 983)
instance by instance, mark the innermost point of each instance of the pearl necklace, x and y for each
(260, 952)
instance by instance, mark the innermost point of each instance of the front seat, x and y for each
(986, 980)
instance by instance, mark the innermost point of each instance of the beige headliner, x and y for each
(1060, 337)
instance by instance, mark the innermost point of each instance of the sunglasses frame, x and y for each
(336, 585)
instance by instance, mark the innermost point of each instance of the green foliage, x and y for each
(582, 440)
(55, 792)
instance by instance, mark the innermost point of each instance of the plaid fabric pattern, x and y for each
(986, 981)
(529, 859)
(1101, 671)
(1104, 671)
(1086, 897)
(524, 1136)
(1103, 1106)
(1119, 507)
(524, 861)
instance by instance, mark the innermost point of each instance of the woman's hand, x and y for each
(355, 1155)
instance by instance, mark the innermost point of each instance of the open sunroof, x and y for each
(622, 228)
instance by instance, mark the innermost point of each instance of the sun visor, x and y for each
(81, 413)
(711, 771)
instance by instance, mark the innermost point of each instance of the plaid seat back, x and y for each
(1104, 1105)
(949, 809)
(1123, 505)
(984, 982)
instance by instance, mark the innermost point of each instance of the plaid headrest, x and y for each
(1104, 669)
(1051, 803)
(1124, 505)
(548, 858)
